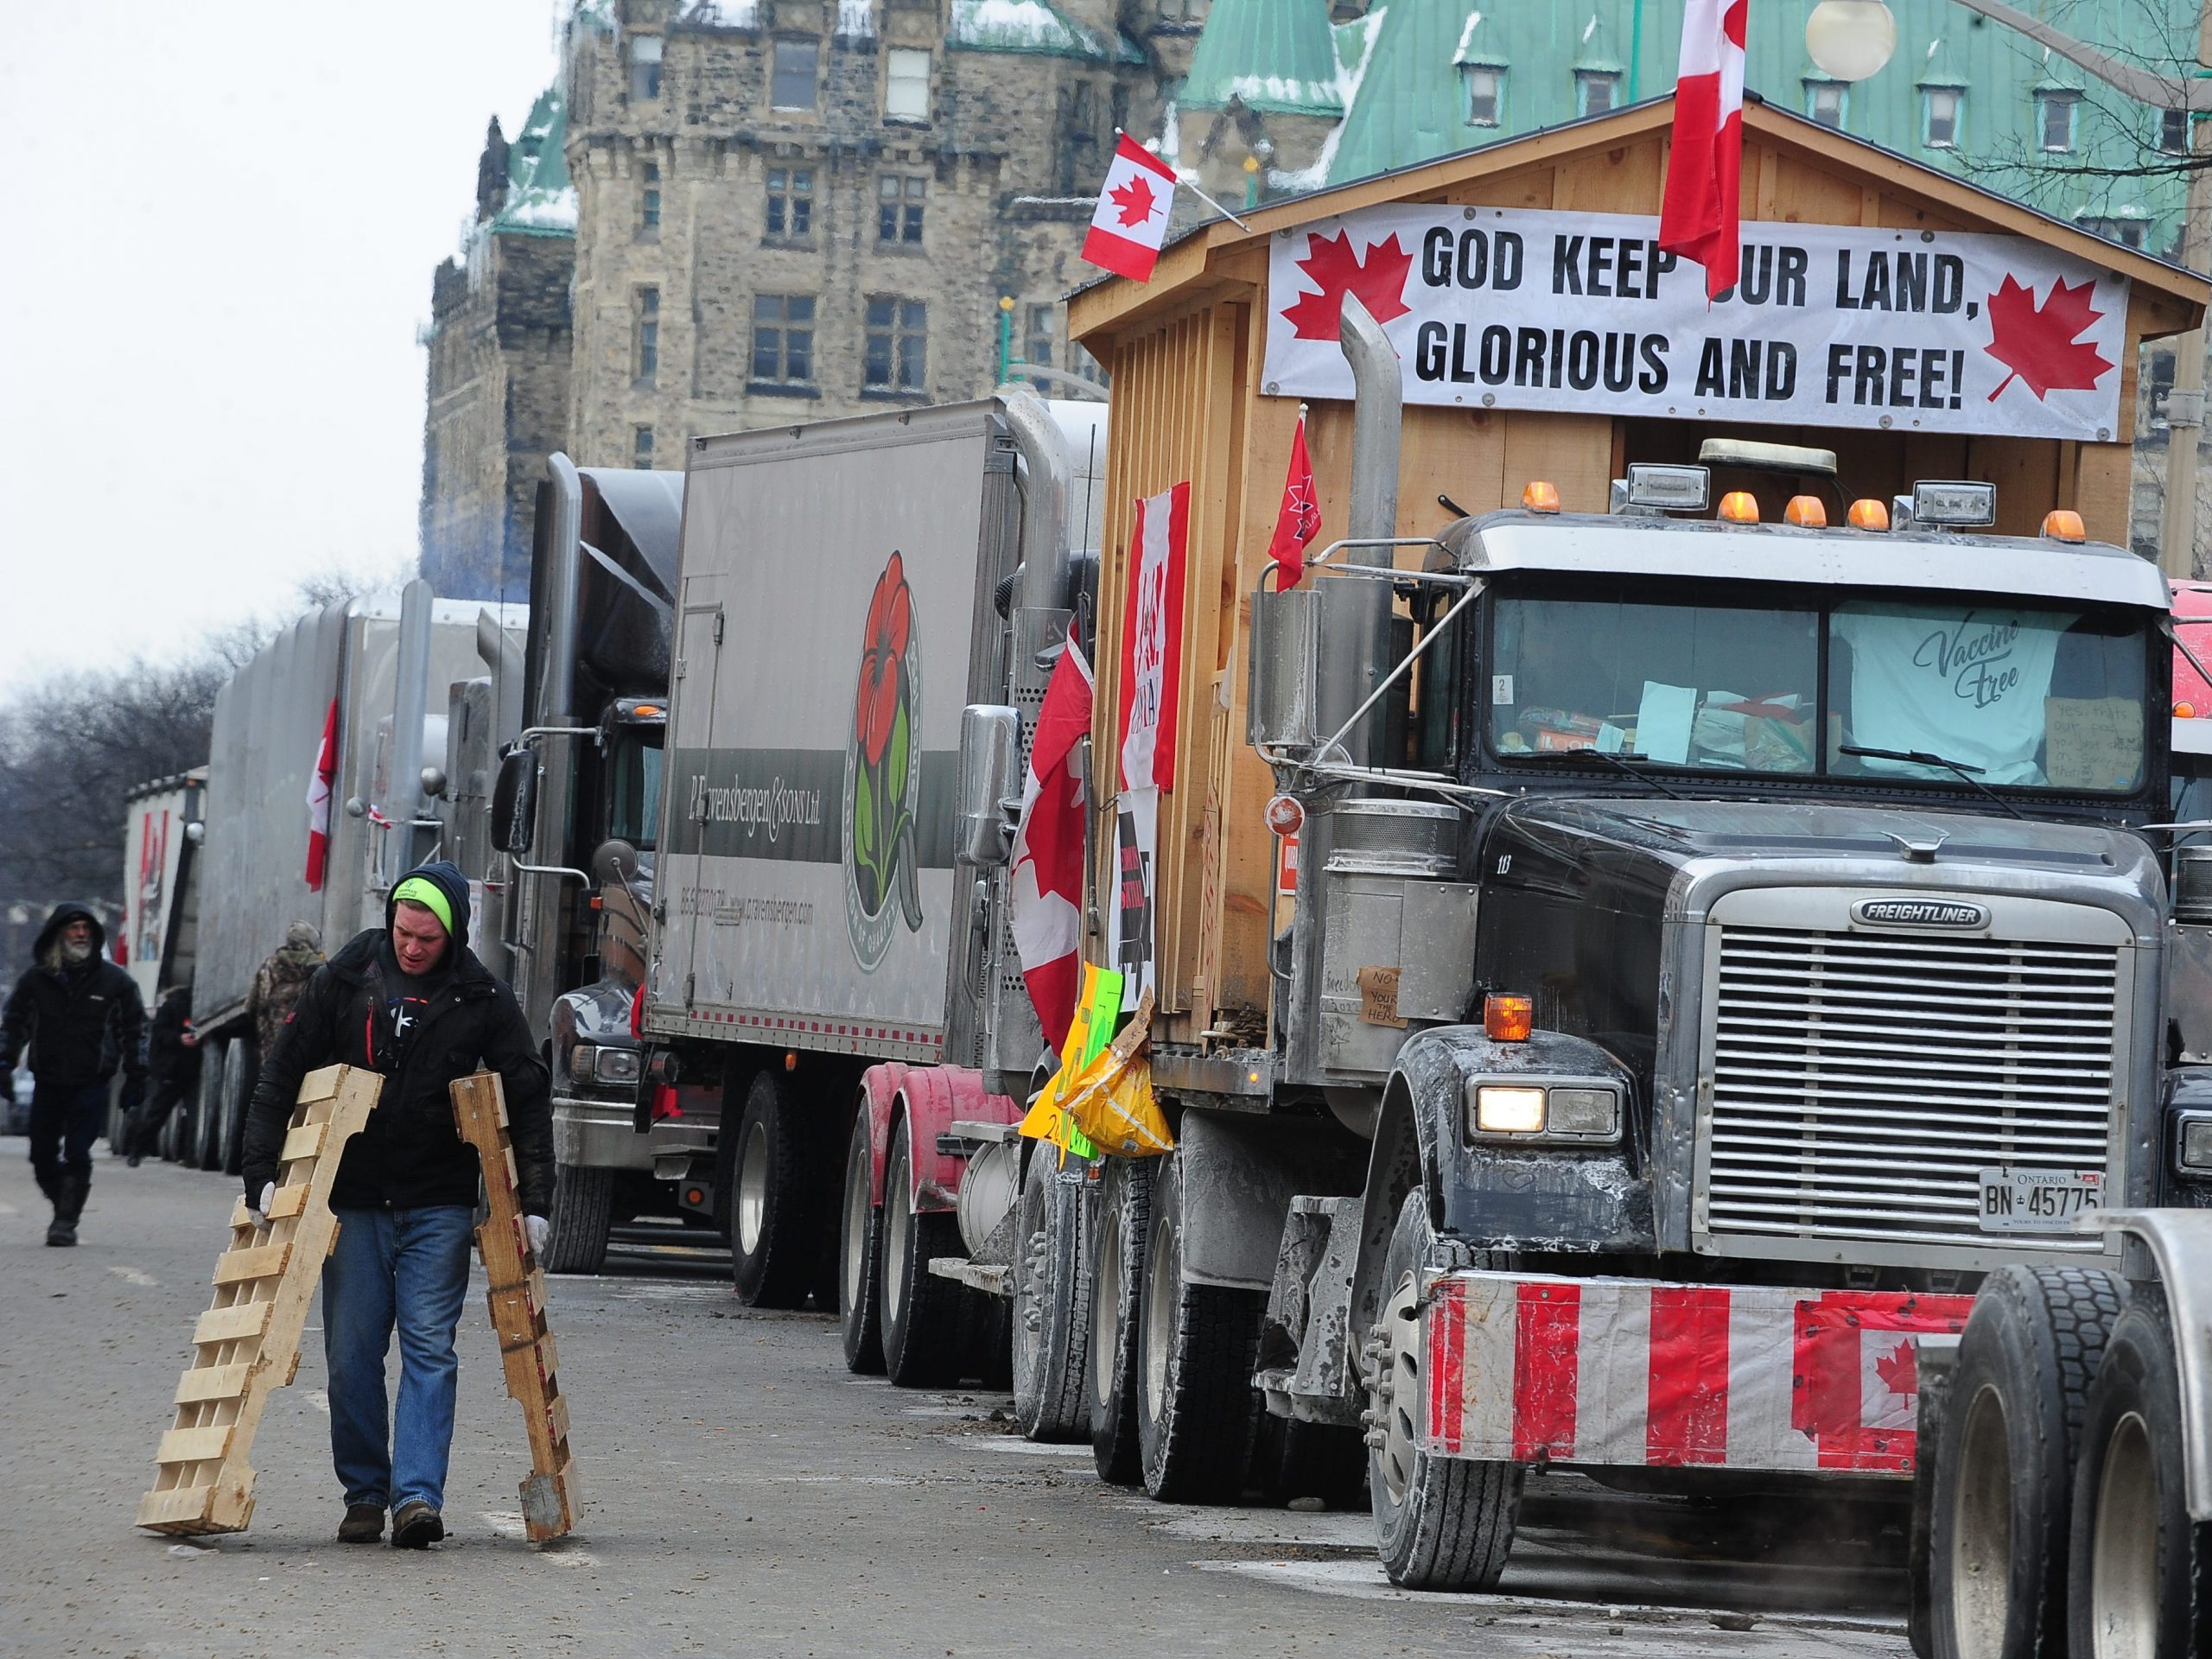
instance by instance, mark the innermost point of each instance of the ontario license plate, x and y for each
(2038, 1200)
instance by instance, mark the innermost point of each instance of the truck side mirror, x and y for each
(514, 801)
(991, 763)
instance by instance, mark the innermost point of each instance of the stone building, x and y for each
(790, 210)
(498, 344)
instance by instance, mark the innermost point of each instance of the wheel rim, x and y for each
(895, 1224)
(1981, 1532)
(856, 1220)
(1031, 1244)
(752, 1186)
(1397, 1386)
(1162, 1280)
(1105, 1326)
(2124, 1550)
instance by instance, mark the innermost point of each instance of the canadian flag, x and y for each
(1132, 218)
(325, 771)
(1047, 873)
(1699, 215)
(1298, 521)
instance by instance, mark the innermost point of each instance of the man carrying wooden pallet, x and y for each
(411, 1001)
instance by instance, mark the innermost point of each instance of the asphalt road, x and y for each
(744, 1494)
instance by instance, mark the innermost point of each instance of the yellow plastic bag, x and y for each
(1110, 1099)
(1088, 1035)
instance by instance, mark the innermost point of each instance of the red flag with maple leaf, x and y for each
(1700, 213)
(1133, 208)
(1298, 521)
(1378, 277)
(2042, 344)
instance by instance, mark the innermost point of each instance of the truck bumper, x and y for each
(1613, 1372)
(599, 1134)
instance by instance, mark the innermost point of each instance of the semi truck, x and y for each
(343, 692)
(572, 825)
(157, 935)
(820, 965)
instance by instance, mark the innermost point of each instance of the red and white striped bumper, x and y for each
(1614, 1371)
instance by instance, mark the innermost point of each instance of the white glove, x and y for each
(536, 1230)
(260, 1211)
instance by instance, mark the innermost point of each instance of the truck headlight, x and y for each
(580, 1061)
(615, 1065)
(2193, 1144)
(1563, 1112)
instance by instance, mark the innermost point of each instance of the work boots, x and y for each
(68, 1205)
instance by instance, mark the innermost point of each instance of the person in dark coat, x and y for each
(173, 1063)
(79, 1017)
(278, 982)
(411, 1001)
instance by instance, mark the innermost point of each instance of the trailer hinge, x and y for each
(679, 669)
(718, 627)
(691, 983)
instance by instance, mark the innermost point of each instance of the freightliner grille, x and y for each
(1861, 1082)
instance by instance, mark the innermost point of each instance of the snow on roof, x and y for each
(856, 20)
(1022, 26)
(1355, 47)
(732, 14)
(541, 200)
(1467, 37)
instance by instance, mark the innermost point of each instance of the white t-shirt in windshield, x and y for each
(1966, 681)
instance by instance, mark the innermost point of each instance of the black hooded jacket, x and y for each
(79, 1023)
(356, 1011)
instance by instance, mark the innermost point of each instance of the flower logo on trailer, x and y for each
(883, 774)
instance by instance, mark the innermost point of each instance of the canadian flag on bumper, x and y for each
(1699, 215)
(1047, 872)
(326, 772)
(1132, 218)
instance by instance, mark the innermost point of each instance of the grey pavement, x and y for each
(743, 1495)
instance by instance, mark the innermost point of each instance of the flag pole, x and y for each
(1191, 185)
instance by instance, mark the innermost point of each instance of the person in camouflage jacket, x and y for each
(277, 983)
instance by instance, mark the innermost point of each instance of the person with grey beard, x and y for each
(79, 1017)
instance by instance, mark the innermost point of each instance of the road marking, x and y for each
(319, 1399)
(866, 1382)
(1366, 1581)
(1016, 1443)
(846, 1480)
(133, 1276)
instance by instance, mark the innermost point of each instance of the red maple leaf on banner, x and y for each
(2040, 343)
(1900, 1369)
(1379, 280)
(1136, 200)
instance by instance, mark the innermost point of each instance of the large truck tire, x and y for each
(2003, 1501)
(1197, 1410)
(1123, 1221)
(583, 1213)
(1440, 1523)
(204, 1149)
(926, 1329)
(860, 1256)
(768, 1199)
(240, 1065)
(1051, 1313)
(2140, 1571)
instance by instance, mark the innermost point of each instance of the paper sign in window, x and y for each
(2093, 743)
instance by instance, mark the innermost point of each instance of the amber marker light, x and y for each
(1739, 507)
(2185, 711)
(2064, 524)
(1806, 512)
(1507, 1019)
(1538, 496)
(1868, 513)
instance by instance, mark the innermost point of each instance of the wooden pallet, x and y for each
(550, 1495)
(248, 1341)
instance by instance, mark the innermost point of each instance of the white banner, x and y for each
(1829, 325)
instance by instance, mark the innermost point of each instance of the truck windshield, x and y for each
(633, 789)
(2019, 695)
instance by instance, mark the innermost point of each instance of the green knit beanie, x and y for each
(421, 890)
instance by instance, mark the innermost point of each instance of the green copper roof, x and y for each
(1277, 55)
(1037, 26)
(540, 200)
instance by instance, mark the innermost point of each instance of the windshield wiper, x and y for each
(1619, 759)
(1922, 758)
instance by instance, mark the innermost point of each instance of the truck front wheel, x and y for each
(765, 1200)
(860, 1256)
(922, 1318)
(2002, 1505)
(1052, 1299)
(1116, 1275)
(1197, 1410)
(583, 1211)
(2141, 1571)
(1440, 1523)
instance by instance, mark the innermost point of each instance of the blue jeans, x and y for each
(408, 1267)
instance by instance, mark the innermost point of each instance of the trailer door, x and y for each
(689, 905)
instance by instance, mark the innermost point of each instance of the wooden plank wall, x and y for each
(1187, 404)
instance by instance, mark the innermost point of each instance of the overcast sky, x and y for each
(220, 223)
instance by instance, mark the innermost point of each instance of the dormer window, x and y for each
(1826, 102)
(1485, 84)
(1941, 108)
(2054, 108)
(1596, 91)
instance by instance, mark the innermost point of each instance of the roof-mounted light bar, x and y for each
(1954, 503)
(1652, 486)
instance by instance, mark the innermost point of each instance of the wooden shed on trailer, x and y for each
(1916, 325)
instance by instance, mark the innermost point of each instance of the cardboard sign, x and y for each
(2093, 743)
(1830, 325)
(1378, 997)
